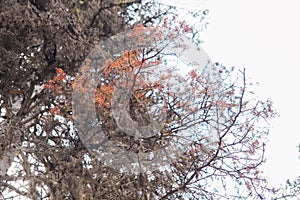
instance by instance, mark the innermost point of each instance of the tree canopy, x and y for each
(100, 101)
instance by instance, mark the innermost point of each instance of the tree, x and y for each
(186, 111)
(290, 190)
(36, 37)
(53, 158)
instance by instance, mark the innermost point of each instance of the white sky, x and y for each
(264, 37)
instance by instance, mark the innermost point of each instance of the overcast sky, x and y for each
(263, 37)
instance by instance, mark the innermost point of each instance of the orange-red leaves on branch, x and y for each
(222, 104)
(193, 74)
(124, 72)
(56, 82)
(54, 111)
(60, 71)
(248, 185)
(49, 85)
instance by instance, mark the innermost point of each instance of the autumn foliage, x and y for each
(208, 113)
(230, 156)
